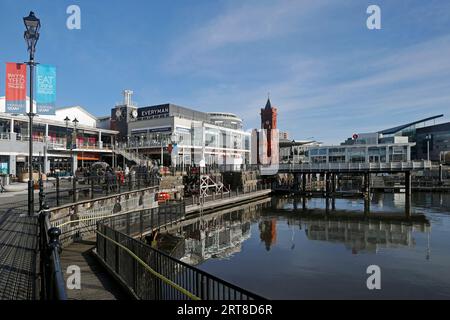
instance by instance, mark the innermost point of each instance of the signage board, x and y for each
(153, 111)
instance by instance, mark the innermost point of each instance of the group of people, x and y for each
(112, 176)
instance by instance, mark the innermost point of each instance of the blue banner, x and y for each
(45, 89)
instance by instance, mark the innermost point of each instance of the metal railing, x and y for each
(52, 284)
(390, 166)
(63, 191)
(152, 274)
(197, 199)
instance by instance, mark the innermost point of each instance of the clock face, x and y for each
(118, 113)
(134, 113)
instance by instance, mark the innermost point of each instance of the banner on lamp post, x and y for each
(16, 88)
(45, 89)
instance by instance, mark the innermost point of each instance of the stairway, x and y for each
(135, 157)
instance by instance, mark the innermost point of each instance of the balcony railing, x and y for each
(391, 166)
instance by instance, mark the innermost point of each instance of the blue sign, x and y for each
(45, 89)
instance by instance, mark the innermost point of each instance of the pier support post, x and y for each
(408, 193)
(304, 183)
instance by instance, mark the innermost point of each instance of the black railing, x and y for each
(152, 274)
(52, 285)
(64, 191)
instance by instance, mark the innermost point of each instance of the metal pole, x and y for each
(428, 148)
(30, 153)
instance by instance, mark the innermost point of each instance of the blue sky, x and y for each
(326, 72)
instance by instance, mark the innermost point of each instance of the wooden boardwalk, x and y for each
(18, 255)
(96, 282)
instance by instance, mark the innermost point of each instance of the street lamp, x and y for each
(428, 138)
(31, 36)
(75, 124)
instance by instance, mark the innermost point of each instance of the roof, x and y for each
(80, 108)
(404, 126)
(268, 104)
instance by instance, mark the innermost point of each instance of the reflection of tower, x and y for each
(268, 232)
(269, 122)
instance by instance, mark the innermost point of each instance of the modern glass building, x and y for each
(178, 135)
(432, 142)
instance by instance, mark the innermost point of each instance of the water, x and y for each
(279, 250)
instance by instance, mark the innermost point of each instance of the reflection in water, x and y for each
(268, 232)
(290, 247)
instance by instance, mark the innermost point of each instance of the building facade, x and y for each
(58, 147)
(176, 135)
(365, 148)
(432, 142)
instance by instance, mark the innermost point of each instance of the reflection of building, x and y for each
(217, 138)
(265, 141)
(268, 232)
(361, 236)
(216, 242)
(52, 141)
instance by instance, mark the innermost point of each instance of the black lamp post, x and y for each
(75, 124)
(67, 120)
(31, 36)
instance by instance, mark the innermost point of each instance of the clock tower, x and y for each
(268, 123)
(121, 115)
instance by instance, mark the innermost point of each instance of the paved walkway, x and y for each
(18, 255)
(96, 282)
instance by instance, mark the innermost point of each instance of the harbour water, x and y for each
(281, 250)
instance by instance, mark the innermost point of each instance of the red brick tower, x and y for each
(269, 122)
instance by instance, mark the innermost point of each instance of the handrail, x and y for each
(52, 279)
(147, 267)
(201, 284)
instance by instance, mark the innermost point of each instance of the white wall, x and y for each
(84, 117)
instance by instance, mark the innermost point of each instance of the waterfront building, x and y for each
(176, 135)
(295, 151)
(402, 143)
(57, 147)
(365, 148)
(433, 142)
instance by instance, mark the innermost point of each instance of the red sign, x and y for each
(355, 136)
(16, 88)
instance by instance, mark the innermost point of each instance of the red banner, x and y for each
(16, 88)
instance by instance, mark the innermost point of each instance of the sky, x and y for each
(326, 72)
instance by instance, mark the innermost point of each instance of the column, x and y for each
(304, 182)
(46, 162)
(12, 164)
(408, 193)
(100, 142)
(387, 154)
(12, 134)
(74, 162)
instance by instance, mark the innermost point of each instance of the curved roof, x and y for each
(404, 126)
